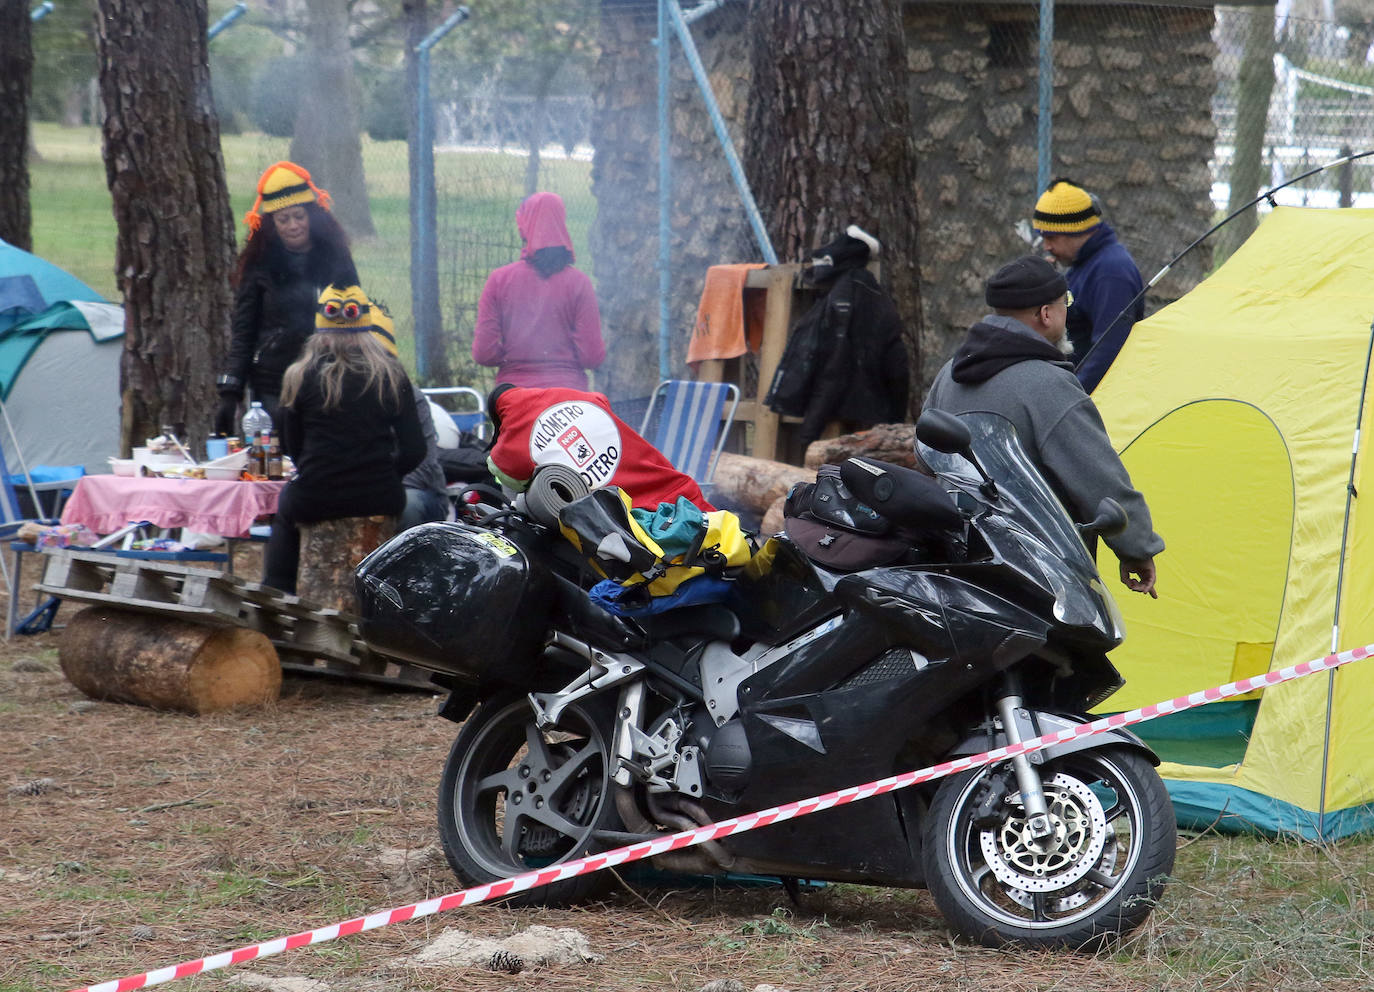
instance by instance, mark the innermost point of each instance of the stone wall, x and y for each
(1132, 122)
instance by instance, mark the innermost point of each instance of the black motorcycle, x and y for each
(583, 731)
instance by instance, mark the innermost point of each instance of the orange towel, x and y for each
(723, 330)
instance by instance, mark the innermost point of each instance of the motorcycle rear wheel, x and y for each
(514, 798)
(1099, 875)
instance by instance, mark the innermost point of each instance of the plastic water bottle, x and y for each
(255, 421)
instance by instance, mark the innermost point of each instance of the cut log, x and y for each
(895, 443)
(166, 663)
(331, 551)
(755, 483)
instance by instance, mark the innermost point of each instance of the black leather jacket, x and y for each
(274, 315)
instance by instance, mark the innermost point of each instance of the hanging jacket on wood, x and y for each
(845, 360)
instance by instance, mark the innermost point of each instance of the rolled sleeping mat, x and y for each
(551, 488)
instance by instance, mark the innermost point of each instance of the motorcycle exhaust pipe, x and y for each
(689, 862)
(681, 820)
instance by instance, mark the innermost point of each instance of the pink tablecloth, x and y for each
(105, 503)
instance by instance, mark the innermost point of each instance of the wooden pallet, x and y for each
(308, 637)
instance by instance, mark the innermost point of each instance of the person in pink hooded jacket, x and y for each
(537, 319)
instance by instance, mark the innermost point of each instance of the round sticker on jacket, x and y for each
(580, 435)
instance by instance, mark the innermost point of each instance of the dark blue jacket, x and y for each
(1103, 280)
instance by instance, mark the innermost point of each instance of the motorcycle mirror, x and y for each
(944, 432)
(1110, 520)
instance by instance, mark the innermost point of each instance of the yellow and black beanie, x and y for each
(347, 310)
(1065, 208)
(383, 328)
(343, 310)
(284, 184)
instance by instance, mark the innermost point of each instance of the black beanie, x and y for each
(1028, 282)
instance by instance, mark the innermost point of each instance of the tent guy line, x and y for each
(715, 831)
(1267, 195)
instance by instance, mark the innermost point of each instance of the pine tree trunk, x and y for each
(327, 139)
(625, 184)
(175, 241)
(16, 79)
(830, 136)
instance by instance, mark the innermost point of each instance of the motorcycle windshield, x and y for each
(1025, 525)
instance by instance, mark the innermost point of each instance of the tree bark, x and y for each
(331, 551)
(1254, 86)
(755, 483)
(895, 443)
(175, 241)
(167, 664)
(328, 139)
(424, 283)
(830, 136)
(625, 184)
(16, 82)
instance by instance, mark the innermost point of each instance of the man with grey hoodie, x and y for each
(1014, 363)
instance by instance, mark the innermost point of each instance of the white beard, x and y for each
(1065, 346)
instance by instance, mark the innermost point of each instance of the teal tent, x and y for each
(60, 346)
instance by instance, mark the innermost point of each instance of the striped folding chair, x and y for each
(693, 421)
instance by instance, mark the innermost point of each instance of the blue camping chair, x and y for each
(693, 422)
(472, 420)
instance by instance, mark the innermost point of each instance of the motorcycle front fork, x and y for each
(1014, 717)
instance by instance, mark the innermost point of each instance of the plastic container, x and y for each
(255, 422)
(216, 447)
(457, 599)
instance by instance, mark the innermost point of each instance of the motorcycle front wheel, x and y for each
(515, 798)
(1097, 876)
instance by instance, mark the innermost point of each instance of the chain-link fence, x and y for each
(1150, 111)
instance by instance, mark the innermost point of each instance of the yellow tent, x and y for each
(1236, 411)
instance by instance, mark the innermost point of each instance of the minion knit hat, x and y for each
(284, 184)
(1065, 208)
(343, 310)
(347, 310)
(383, 328)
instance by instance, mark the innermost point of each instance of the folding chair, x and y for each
(474, 420)
(692, 425)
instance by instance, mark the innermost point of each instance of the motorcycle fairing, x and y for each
(1026, 527)
(1038, 722)
(945, 617)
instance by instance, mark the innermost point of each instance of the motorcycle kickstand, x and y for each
(1027, 778)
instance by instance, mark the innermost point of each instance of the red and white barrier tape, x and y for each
(715, 831)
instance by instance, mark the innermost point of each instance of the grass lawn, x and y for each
(73, 224)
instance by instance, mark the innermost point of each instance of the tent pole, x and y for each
(1340, 583)
(19, 456)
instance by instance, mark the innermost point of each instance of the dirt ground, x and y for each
(132, 840)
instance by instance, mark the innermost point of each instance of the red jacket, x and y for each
(577, 429)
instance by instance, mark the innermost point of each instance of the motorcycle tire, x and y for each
(1099, 876)
(513, 798)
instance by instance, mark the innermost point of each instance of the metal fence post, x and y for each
(1045, 121)
(239, 10)
(665, 195)
(424, 235)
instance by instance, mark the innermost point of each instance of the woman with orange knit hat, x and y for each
(295, 248)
